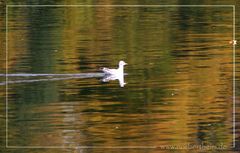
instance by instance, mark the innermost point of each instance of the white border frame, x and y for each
(82, 147)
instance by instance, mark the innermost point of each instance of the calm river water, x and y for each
(179, 78)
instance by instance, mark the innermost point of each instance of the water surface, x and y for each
(179, 82)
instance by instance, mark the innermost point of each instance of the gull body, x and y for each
(119, 71)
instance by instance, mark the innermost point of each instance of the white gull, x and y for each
(119, 71)
(115, 74)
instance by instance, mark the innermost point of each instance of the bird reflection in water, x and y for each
(110, 77)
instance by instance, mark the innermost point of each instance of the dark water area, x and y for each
(179, 81)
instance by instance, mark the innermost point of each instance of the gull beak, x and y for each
(125, 63)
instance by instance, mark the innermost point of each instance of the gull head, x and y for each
(122, 63)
